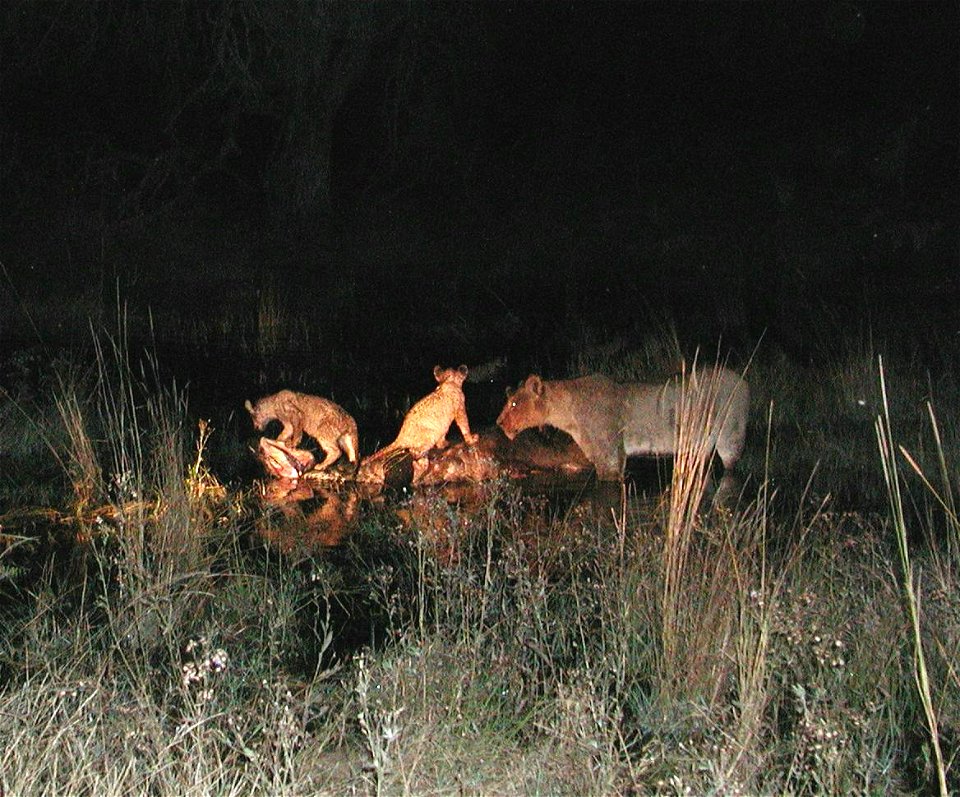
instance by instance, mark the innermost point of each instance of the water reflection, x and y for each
(306, 517)
(303, 517)
(539, 492)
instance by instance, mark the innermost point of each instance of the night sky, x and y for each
(532, 168)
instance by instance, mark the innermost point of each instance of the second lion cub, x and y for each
(427, 422)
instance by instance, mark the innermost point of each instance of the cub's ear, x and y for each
(509, 391)
(463, 370)
(248, 406)
(437, 370)
(534, 384)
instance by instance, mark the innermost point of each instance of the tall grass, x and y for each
(693, 630)
(122, 678)
(82, 468)
(911, 589)
(604, 647)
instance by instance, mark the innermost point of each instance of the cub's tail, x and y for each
(378, 467)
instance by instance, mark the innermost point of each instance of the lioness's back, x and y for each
(652, 412)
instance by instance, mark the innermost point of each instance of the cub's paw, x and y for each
(472, 439)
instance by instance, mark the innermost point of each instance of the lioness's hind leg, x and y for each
(729, 452)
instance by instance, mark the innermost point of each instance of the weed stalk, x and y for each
(888, 459)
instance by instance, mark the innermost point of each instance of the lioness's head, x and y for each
(454, 375)
(525, 407)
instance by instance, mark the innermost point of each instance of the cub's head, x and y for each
(452, 375)
(257, 415)
(525, 407)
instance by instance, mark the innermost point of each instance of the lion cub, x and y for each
(329, 424)
(426, 424)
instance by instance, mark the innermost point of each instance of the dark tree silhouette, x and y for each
(149, 98)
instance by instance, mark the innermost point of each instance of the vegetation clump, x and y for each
(621, 643)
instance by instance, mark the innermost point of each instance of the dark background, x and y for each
(463, 180)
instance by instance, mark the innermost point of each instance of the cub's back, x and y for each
(432, 415)
(321, 410)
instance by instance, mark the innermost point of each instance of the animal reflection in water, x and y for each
(308, 517)
(305, 518)
(556, 521)
(449, 523)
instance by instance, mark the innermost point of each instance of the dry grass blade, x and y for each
(891, 476)
(944, 496)
(693, 601)
(82, 467)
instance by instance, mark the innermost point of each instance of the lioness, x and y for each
(329, 424)
(427, 422)
(611, 421)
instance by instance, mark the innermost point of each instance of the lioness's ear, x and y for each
(509, 391)
(535, 384)
(463, 370)
(437, 370)
(248, 406)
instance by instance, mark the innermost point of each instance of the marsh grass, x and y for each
(944, 567)
(678, 648)
(270, 329)
(691, 629)
(81, 466)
